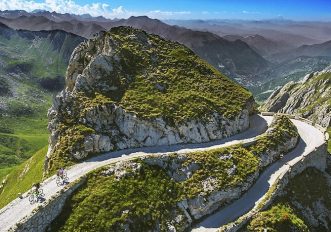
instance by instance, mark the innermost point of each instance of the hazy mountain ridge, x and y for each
(235, 59)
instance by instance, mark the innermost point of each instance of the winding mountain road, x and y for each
(311, 138)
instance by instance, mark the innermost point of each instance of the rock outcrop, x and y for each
(128, 89)
(309, 98)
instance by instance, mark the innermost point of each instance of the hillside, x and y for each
(291, 70)
(313, 50)
(309, 98)
(128, 88)
(262, 45)
(33, 65)
(299, 209)
(233, 58)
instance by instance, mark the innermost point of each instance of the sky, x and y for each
(307, 10)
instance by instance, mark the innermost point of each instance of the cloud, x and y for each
(94, 9)
(250, 12)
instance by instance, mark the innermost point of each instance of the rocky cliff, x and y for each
(126, 88)
(309, 98)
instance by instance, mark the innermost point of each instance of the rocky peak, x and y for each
(126, 88)
(309, 98)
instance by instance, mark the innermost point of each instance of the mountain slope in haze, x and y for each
(38, 23)
(235, 59)
(32, 65)
(314, 50)
(261, 45)
(294, 33)
(290, 70)
(309, 98)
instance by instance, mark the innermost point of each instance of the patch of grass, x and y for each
(21, 177)
(4, 172)
(216, 164)
(282, 130)
(192, 88)
(278, 218)
(329, 142)
(297, 202)
(106, 204)
(72, 139)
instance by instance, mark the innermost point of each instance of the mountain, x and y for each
(309, 98)
(314, 50)
(127, 88)
(54, 16)
(39, 23)
(235, 59)
(262, 45)
(32, 65)
(294, 33)
(284, 72)
(171, 96)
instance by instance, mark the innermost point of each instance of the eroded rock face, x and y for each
(309, 98)
(89, 118)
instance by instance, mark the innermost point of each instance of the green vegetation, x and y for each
(278, 218)
(215, 164)
(329, 142)
(296, 203)
(106, 204)
(20, 138)
(283, 129)
(150, 77)
(70, 139)
(147, 196)
(21, 177)
(160, 78)
(34, 65)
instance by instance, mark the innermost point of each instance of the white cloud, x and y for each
(250, 12)
(94, 9)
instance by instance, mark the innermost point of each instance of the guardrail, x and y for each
(297, 117)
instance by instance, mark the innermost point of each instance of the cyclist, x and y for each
(36, 188)
(60, 172)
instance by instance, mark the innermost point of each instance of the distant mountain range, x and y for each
(263, 46)
(314, 50)
(234, 58)
(258, 54)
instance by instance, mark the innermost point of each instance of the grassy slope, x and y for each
(21, 177)
(277, 219)
(285, 214)
(23, 124)
(191, 87)
(329, 142)
(138, 195)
